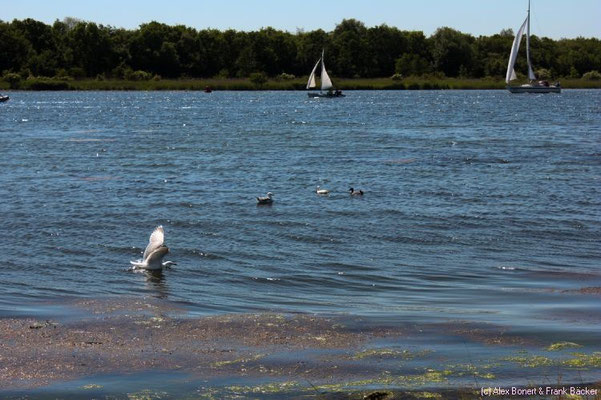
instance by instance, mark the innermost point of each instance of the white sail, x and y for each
(311, 82)
(531, 75)
(514, 52)
(326, 83)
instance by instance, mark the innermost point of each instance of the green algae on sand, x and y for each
(392, 353)
(562, 345)
(531, 360)
(584, 361)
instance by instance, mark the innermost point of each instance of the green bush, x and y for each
(258, 78)
(574, 73)
(13, 79)
(120, 71)
(285, 77)
(412, 64)
(223, 74)
(592, 76)
(397, 77)
(543, 73)
(141, 76)
(138, 75)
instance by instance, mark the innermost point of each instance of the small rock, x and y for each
(376, 396)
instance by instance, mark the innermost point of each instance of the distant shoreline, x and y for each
(218, 84)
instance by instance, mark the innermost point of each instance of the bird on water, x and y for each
(265, 200)
(354, 192)
(322, 191)
(152, 259)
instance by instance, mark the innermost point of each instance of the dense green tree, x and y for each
(417, 43)
(14, 47)
(153, 49)
(90, 48)
(384, 46)
(215, 52)
(76, 48)
(350, 49)
(581, 54)
(452, 50)
(412, 64)
(189, 53)
(309, 47)
(41, 59)
(491, 53)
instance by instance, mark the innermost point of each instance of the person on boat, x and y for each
(338, 92)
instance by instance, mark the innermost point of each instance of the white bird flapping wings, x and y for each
(156, 240)
(154, 252)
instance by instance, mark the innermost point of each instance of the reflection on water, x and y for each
(157, 284)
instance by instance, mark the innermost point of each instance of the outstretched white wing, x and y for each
(155, 258)
(156, 240)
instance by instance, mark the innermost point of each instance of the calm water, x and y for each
(479, 204)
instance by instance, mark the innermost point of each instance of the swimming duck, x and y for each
(322, 191)
(354, 192)
(265, 200)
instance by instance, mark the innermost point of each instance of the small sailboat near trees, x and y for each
(327, 88)
(533, 86)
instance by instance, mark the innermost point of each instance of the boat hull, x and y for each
(534, 89)
(326, 95)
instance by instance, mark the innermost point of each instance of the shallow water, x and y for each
(479, 204)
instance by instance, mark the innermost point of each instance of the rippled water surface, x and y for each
(478, 204)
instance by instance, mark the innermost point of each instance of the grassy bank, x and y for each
(410, 83)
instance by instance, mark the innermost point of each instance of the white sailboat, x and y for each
(327, 88)
(533, 86)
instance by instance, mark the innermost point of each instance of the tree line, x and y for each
(80, 49)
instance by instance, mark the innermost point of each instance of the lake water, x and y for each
(479, 205)
(473, 200)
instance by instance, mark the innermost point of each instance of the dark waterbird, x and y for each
(354, 192)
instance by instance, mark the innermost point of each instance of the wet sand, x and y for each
(263, 355)
(38, 352)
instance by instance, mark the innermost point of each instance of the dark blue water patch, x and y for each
(43, 308)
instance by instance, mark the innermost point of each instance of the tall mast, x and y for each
(530, 72)
(528, 36)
